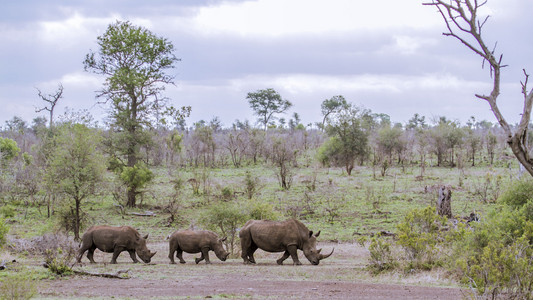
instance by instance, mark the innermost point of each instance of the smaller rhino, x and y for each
(192, 241)
(114, 240)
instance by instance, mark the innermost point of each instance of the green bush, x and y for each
(251, 184)
(495, 258)
(225, 218)
(381, 257)
(7, 211)
(518, 194)
(17, 286)
(58, 261)
(227, 193)
(419, 234)
(262, 211)
(4, 229)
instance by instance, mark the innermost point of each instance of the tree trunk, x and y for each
(444, 202)
(77, 220)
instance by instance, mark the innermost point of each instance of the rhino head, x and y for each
(142, 251)
(219, 250)
(309, 248)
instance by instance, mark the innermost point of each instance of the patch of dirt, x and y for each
(339, 277)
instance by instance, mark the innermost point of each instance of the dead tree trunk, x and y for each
(444, 202)
(461, 19)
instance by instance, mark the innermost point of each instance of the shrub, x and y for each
(17, 286)
(419, 234)
(4, 229)
(519, 194)
(7, 211)
(381, 258)
(496, 258)
(262, 211)
(251, 184)
(58, 261)
(227, 193)
(225, 218)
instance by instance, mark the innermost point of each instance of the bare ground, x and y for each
(340, 277)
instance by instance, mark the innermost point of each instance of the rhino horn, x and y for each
(319, 250)
(223, 239)
(146, 236)
(322, 256)
(152, 255)
(317, 234)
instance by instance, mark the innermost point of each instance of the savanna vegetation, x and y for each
(355, 175)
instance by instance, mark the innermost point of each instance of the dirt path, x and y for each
(340, 277)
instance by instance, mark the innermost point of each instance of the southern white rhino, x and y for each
(287, 236)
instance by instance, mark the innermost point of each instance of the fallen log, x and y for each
(105, 275)
(145, 214)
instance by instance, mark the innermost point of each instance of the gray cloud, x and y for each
(398, 70)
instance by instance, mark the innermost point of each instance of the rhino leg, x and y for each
(205, 255)
(133, 256)
(82, 250)
(247, 247)
(116, 252)
(250, 254)
(171, 255)
(293, 251)
(90, 255)
(179, 255)
(283, 258)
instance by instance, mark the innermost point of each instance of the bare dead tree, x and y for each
(461, 18)
(52, 99)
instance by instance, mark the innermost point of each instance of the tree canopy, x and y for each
(135, 63)
(267, 103)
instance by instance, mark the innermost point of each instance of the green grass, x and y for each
(341, 206)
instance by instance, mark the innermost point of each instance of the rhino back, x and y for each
(192, 241)
(106, 238)
(274, 236)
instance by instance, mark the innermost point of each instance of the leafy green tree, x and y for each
(267, 103)
(331, 106)
(416, 121)
(134, 62)
(225, 218)
(75, 169)
(8, 150)
(349, 139)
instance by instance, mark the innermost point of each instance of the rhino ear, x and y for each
(310, 233)
(223, 239)
(317, 234)
(146, 236)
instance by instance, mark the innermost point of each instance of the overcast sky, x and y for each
(388, 56)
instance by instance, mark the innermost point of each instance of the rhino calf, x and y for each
(114, 240)
(287, 237)
(192, 241)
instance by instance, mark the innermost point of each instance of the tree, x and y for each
(8, 150)
(134, 62)
(331, 106)
(461, 19)
(266, 103)
(349, 138)
(51, 99)
(75, 169)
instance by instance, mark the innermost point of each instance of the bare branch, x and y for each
(454, 13)
(52, 99)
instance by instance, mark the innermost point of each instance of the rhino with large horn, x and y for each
(287, 236)
(114, 240)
